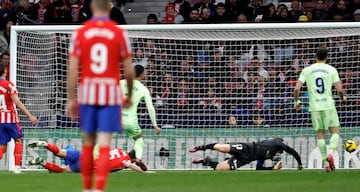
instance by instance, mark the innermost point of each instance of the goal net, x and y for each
(209, 83)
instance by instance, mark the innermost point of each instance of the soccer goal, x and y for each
(210, 83)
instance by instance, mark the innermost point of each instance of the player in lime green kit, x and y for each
(130, 116)
(319, 78)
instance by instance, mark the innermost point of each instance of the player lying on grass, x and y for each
(118, 159)
(244, 153)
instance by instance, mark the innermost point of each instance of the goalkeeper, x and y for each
(129, 115)
(244, 153)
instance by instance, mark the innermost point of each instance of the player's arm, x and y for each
(72, 76)
(295, 154)
(299, 84)
(23, 109)
(297, 103)
(338, 85)
(129, 75)
(73, 68)
(136, 168)
(151, 110)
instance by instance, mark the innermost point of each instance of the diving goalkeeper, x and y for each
(244, 153)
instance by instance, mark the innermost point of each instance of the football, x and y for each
(350, 145)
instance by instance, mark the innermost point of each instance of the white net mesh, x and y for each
(199, 79)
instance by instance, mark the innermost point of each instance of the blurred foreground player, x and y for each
(244, 153)
(95, 52)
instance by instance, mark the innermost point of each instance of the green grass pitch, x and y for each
(190, 181)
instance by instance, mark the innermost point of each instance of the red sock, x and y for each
(53, 148)
(2, 151)
(86, 166)
(18, 153)
(53, 167)
(102, 168)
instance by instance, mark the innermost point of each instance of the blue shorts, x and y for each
(73, 160)
(8, 131)
(100, 119)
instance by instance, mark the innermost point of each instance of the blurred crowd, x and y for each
(245, 11)
(247, 83)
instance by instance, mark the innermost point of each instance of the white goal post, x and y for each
(199, 77)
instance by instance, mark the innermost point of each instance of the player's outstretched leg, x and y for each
(37, 144)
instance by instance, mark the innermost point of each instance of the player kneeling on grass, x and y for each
(244, 153)
(118, 159)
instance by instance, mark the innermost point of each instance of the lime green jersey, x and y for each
(139, 93)
(319, 79)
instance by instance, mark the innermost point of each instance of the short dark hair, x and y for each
(321, 53)
(2, 68)
(152, 16)
(139, 69)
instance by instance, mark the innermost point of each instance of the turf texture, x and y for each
(190, 181)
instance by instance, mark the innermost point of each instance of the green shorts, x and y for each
(131, 129)
(322, 120)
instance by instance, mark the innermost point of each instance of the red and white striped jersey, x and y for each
(7, 108)
(100, 45)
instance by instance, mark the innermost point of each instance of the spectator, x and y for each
(232, 121)
(235, 7)
(85, 12)
(258, 118)
(193, 18)
(5, 36)
(241, 18)
(182, 7)
(255, 10)
(269, 13)
(340, 11)
(41, 12)
(75, 8)
(5, 60)
(295, 12)
(205, 3)
(116, 13)
(4, 14)
(139, 58)
(255, 66)
(319, 12)
(182, 96)
(170, 13)
(220, 15)
(283, 16)
(211, 103)
(21, 12)
(205, 15)
(152, 19)
(357, 15)
(268, 2)
(61, 13)
(185, 71)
